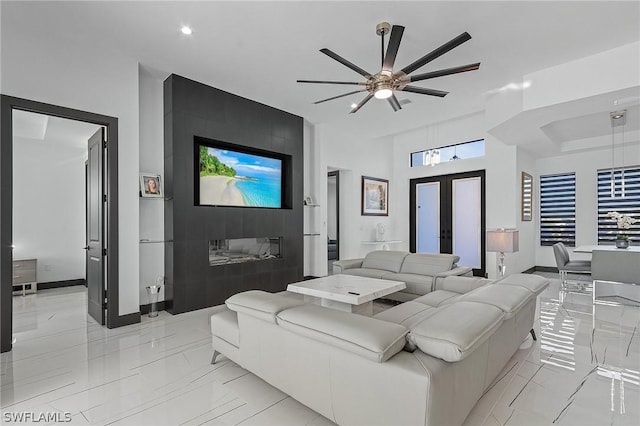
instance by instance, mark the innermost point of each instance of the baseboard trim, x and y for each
(60, 284)
(546, 269)
(144, 309)
(128, 319)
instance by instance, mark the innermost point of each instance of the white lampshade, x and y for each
(503, 241)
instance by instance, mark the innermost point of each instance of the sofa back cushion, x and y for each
(388, 260)
(510, 299)
(456, 330)
(428, 264)
(371, 338)
(261, 304)
(462, 284)
(534, 283)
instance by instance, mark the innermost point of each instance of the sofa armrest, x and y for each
(461, 271)
(342, 265)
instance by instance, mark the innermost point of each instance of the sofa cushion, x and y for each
(428, 264)
(416, 284)
(388, 260)
(437, 298)
(225, 326)
(533, 283)
(456, 330)
(508, 298)
(261, 304)
(366, 272)
(368, 337)
(463, 284)
(407, 313)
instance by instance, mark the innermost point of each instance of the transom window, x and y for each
(431, 157)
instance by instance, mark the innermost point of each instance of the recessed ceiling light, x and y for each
(186, 30)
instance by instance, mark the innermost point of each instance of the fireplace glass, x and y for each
(240, 250)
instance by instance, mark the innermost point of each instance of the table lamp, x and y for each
(502, 241)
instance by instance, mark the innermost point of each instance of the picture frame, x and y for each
(308, 201)
(526, 197)
(375, 196)
(151, 185)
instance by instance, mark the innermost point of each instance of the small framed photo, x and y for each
(151, 185)
(308, 201)
(375, 196)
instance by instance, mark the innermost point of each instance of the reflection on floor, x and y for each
(583, 370)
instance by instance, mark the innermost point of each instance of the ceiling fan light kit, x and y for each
(384, 84)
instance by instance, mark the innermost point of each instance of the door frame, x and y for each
(7, 105)
(445, 190)
(336, 174)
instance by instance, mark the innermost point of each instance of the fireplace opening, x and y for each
(240, 250)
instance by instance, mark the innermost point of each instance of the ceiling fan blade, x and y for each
(393, 101)
(346, 63)
(362, 102)
(392, 48)
(424, 91)
(447, 71)
(332, 82)
(340, 96)
(436, 53)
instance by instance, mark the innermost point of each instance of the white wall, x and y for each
(151, 161)
(526, 257)
(585, 165)
(69, 74)
(49, 208)
(500, 168)
(354, 157)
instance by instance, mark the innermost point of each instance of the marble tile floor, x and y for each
(583, 370)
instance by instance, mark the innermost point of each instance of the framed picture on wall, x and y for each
(375, 196)
(150, 185)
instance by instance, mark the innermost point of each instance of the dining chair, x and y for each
(566, 265)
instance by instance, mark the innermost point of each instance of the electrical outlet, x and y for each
(47, 267)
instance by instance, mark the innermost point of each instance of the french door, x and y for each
(447, 215)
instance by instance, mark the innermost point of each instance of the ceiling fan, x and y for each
(384, 83)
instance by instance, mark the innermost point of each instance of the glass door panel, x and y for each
(428, 217)
(466, 215)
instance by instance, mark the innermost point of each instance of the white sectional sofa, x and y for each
(420, 272)
(423, 362)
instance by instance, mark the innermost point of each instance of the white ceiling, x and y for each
(62, 132)
(258, 49)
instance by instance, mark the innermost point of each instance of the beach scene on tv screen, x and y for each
(231, 178)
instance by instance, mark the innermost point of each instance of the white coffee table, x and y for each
(348, 293)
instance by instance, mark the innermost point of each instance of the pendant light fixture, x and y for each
(618, 119)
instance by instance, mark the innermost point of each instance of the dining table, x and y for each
(615, 273)
(591, 248)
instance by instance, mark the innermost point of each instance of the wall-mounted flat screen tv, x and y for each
(231, 175)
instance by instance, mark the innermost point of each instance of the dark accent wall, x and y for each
(194, 109)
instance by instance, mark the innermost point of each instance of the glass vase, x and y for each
(622, 244)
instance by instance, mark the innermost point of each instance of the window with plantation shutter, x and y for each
(558, 209)
(625, 200)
